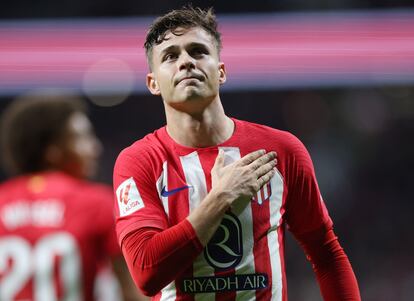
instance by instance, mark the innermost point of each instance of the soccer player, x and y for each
(203, 202)
(56, 229)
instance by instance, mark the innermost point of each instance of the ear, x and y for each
(53, 156)
(222, 73)
(152, 84)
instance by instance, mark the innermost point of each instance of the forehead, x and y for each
(185, 36)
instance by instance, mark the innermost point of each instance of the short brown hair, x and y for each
(29, 125)
(186, 17)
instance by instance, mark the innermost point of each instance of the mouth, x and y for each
(189, 78)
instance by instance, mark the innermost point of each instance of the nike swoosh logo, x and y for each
(166, 193)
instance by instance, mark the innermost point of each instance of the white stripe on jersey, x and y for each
(243, 210)
(195, 177)
(259, 197)
(168, 292)
(162, 182)
(273, 237)
(265, 191)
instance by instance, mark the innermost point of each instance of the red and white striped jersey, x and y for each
(159, 182)
(55, 233)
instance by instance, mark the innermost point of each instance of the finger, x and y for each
(266, 177)
(219, 159)
(251, 157)
(264, 169)
(264, 159)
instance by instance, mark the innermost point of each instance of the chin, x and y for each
(185, 98)
(191, 93)
(194, 97)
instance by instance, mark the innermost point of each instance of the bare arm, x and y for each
(128, 288)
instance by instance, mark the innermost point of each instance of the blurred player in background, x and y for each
(56, 228)
(203, 202)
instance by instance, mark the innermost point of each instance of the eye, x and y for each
(198, 51)
(169, 56)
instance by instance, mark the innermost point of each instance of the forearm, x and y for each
(207, 217)
(155, 257)
(333, 270)
(128, 290)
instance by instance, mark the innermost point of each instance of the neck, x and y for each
(206, 128)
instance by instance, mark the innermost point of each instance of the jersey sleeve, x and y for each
(137, 200)
(155, 258)
(331, 265)
(305, 208)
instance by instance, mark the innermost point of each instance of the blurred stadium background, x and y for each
(338, 74)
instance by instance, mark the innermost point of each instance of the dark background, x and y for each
(122, 8)
(360, 139)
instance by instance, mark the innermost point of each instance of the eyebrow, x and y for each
(190, 45)
(168, 49)
(195, 44)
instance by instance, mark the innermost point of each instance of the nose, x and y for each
(186, 61)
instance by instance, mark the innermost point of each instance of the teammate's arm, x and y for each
(128, 289)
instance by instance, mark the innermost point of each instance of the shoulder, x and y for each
(144, 158)
(6, 185)
(283, 139)
(145, 148)
(98, 189)
(90, 204)
(9, 187)
(88, 190)
(95, 199)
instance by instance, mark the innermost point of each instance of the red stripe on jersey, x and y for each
(57, 276)
(281, 238)
(181, 200)
(225, 296)
(207, 161)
